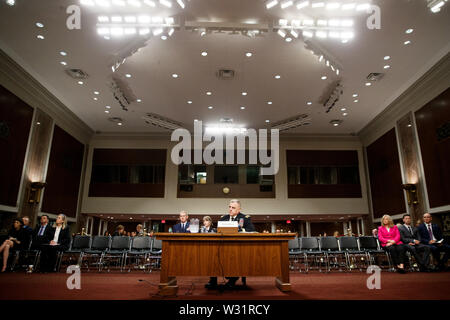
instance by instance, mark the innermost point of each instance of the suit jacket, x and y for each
(425, 236)
(45, 238)
(384, 235)
(63, 238)
(177, 228)
(247, 226)
(408, 237)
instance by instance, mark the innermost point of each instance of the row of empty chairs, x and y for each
(118, 251)
(343, 253)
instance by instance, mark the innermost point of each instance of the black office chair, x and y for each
(155, 253)
(355, 258)
(294, 253)
(334, 257)
(99, 246)
(119, 246)
(371, 247)
(139, 252)
(310, 250)
(78, 245)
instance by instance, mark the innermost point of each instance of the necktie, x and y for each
(41, 230)
(410, 230)
(430, 232)
(183, 227)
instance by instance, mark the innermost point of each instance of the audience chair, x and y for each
(100, 244)
(119, 246)
(334, 257)
(78, 245)
(155, 253)
(139, 253)
(355, 257)
(310, 250)
(371, 247)
(294, 253)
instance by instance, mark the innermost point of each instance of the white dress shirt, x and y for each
(58, 230)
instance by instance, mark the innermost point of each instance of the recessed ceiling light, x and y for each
(335, 124)
(41, 37)
(409, 125)
(128, 75)
(95, 98)
(344, 114)
(356, 100)
(163, 37)
(343, 109)
(106, 37)
(324, 78)
(288, 39)
(63, 53)
(387, 57)
(204, 53)
(10, 2)
(277, 76)
(269, 102)
(106, 111)
(119, 123)
(387, 66)
(355, 95)
(242, 108)
(210, 107)
(209, 93)
(309, 103)
(96, 92)
(368, 84)
(249, 54)
(108, 107)
(409, 31)
(80, 82)
(39, 25)
(38, 123)
(406, 42)
(267, 121)
(195, 120)
(190, 102)
(63, 63)
(138, 100)
(344, 41)
(174, 75)
(244, 93)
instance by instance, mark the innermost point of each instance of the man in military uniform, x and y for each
(244, 225)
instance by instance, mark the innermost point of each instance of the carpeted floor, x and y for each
(312, 286)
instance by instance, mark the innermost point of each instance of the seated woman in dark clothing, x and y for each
(16, 239)
(207, 225)
(120, 231)
(60, 242)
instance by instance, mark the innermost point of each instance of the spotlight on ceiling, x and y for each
(436, 5)
(271, 3)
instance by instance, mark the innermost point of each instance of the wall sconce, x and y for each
(411, 193)
(34, 195)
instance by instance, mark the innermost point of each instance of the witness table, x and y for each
(223, 255)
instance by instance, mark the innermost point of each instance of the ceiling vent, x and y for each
(225, 74)
(334, 93)
(77, 74)
(291, 123)
(161, 122)
(115, 119)
(375, 76)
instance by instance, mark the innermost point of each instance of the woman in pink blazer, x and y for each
(389, 238)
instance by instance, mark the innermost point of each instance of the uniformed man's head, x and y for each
(183, 216)
(234, 207)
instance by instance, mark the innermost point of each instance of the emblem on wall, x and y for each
(443, 132)
(4, 130)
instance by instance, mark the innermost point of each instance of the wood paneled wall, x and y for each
(385, 176)
(15, 123)
(433, 127)
(63, 175)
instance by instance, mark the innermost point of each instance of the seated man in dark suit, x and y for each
(411, 239)
(183, 226)
(42, 233)
(431, 235)
(60, 242)
(245, 225)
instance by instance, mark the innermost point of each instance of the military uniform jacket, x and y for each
(248, 225)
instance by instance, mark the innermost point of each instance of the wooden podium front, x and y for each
(223, 255)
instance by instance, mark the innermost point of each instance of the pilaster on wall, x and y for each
(36, 162)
